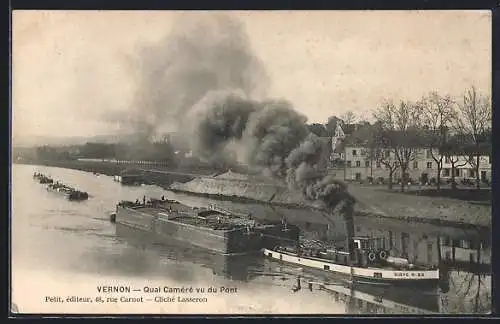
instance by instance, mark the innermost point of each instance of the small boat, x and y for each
(366, 264)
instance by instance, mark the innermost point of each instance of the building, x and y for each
(353, 160)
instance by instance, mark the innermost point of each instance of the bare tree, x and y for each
(400, 133)
(453, 151)
(438, 115)
(387, 159)
(474, 122)
(348, 117)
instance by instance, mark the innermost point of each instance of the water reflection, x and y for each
(70, 246)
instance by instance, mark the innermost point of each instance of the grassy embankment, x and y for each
(465, 206)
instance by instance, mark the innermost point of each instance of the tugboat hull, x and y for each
(368, 275)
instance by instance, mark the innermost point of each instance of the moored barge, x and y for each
(43, 179)
(68, 192)
(208, 228)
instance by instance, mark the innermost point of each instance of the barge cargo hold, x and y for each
(207, 228)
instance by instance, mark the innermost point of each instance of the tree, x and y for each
(318, 129)
(438, 114)
(331, 125)
(400, 133)
(474, 123)
(381, 153)
(387, 159)
(348, 117)
(453, 151)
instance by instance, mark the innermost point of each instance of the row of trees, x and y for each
(157, 151)
(448, 129)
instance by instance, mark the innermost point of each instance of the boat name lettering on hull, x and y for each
(409, 274)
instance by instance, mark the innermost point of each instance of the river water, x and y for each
(69, 249)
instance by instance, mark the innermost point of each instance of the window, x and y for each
(429, 253)
(367, 164)
(446, 172)
(429, 165)
(446, 159)
(415, 164)
(428, 154)
(378, 164)
(472, 174)
(457, 172)
(354, 153)
(471, 258)
(358, 176)
(390, 240)
(358, 164)
(448, 255)
(348, 164)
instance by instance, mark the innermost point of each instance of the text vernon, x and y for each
(113, 289)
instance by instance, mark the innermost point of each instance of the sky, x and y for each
(70, 66)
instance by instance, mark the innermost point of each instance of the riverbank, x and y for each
(446, 211)
(371, 201)
(151, 174)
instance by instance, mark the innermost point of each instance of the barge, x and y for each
(68, 192)
(367, 264)
(210, 228)
(233, 267)
(43, 179)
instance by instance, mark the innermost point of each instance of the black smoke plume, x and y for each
(203, 80)
(203, 52)
(270, 135)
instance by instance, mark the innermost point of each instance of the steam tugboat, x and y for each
(368, 263)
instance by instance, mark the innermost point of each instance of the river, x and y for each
(70, 249)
